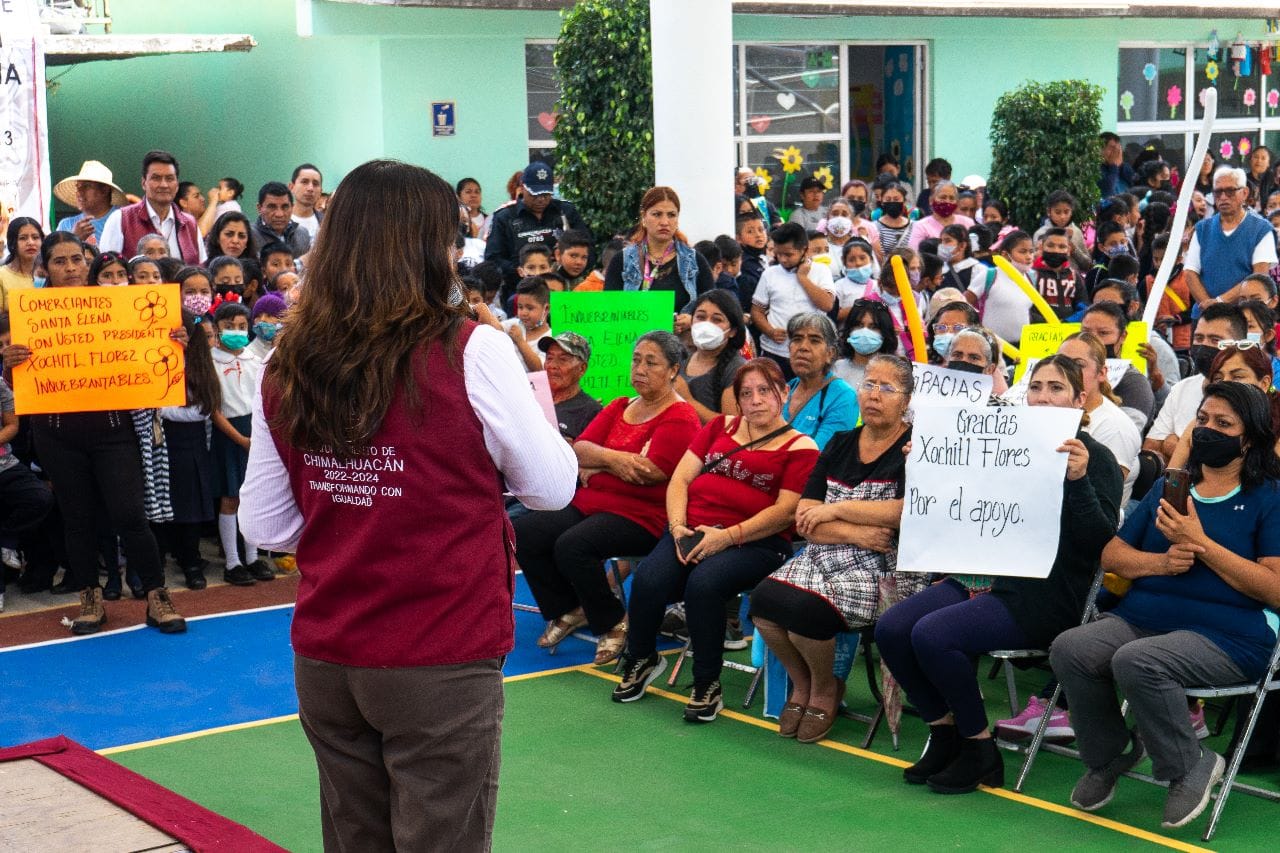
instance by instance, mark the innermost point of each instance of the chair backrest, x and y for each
(1150, 467)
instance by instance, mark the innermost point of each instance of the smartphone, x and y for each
(686, 544)
(1177, 488)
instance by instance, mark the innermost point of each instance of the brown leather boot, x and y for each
(92, 614)
(162, 614)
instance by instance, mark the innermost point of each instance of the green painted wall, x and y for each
(361, 87)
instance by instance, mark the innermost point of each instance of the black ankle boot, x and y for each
(942, 749)
(979, 763)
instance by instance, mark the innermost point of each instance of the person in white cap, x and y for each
(95, 195)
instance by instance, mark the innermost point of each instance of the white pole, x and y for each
(1180, 217)
(693, 110)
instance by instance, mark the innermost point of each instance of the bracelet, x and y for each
(671, 526)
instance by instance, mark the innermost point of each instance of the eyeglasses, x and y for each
(942, 328)
(871, 387)
(1228, 190)
(1240, 345)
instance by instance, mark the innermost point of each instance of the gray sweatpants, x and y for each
(408, 758)
(1151, 671)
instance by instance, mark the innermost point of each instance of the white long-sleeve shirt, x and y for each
(539, 466)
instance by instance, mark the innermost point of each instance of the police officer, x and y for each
(534, 218)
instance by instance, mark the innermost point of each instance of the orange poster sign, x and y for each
(97, 348)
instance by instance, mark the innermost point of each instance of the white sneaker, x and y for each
(10, 558)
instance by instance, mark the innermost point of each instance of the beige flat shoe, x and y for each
(558, 629)
(611, 644)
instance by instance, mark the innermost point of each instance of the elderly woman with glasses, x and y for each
(818, 403)
(849, 512)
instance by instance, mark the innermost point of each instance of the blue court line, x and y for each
(134, 685)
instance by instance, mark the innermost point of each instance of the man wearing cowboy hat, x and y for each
(94, 194)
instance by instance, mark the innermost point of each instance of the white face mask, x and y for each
(706, 336)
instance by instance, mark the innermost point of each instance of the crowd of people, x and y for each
(763, 453)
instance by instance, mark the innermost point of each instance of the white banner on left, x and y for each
(24, 127)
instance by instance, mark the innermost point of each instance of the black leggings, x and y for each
(93, 462)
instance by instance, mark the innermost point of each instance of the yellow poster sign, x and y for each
(1040, 340)
(98, 348)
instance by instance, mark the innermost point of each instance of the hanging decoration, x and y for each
(1211, 72)
(1149, 73)
(1126, 104)
(1214, 44)
(1173, 97)
(1239, 52)
(1264, 59)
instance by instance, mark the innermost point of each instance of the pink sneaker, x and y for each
(1197, 721)
(1023, 726)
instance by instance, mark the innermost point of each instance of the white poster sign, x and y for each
(983, 493)
(1017, 393)
(542, 393)
(940, 386)
(24, 133)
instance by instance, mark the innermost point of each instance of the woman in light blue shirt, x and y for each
(818, 404)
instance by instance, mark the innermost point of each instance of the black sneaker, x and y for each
(673, 624)
(704, 704)
(238, 576)
(261, 571)
(195, 578)
(637, 675)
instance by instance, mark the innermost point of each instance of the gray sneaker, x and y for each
(1096, 787)
(733, 639)
(1189, 795)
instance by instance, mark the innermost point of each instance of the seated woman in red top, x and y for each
(732, 502)
(625, 457)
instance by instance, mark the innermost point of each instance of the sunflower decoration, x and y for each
(790, 158)
(764, 179)
(824, 174)
(1211, 71)
(151, 308)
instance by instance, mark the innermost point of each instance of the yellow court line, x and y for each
(1025, 800)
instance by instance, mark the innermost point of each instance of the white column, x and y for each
(693, 110)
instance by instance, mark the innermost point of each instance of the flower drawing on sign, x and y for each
(1126, 104)
(824, 174)
(1226, 149)
(151, 308)
(790, 158)
(766, 180)
(1173, 97)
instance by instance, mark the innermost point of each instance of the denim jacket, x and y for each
(686, 268)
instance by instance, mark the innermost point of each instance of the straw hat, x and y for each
(94, 171)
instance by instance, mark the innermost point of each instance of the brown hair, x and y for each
(656, 195)
(1070, 371)
(380, 288)
(513, 184)
(1257, 360)
(1097, 352)
(771, 373)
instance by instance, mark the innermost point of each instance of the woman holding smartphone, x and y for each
(731, 504)
(1204, 575)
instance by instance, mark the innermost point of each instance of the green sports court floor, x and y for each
(581, 772)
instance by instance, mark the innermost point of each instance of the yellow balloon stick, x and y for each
(1009, 349)
(910, 311)
(1032, 294)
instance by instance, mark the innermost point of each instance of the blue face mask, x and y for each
(860, 275)
(234, 338)
(266, 331)
(889, 298)
(942, 343)
(865, 341)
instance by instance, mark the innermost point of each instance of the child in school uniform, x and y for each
(238, 371)
(187, 433)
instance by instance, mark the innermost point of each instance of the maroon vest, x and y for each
(406, 556)
(135, 224)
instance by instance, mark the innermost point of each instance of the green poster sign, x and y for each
(612, 322)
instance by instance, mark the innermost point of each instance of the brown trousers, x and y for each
(408, 758)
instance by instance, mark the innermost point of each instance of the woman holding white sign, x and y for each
(849, 512)
(1204, 575)
(929, 641)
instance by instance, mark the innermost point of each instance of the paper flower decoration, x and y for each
(765, 179)
(790, 158)
(1126, 104)
(1250, 97)
(1244, 146)
(1173, 97)
(1211, 71)
(1273, 98)
(1226, 149)
(824, 174)
(1149, 72)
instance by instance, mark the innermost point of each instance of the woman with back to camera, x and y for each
(382, 439)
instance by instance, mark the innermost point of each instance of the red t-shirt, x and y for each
(663, 439)
(747, 482)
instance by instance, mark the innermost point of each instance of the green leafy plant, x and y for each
(604, 138)
(1044, 137)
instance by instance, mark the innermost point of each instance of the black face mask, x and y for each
(1111, 351)
(1213, 449)
(858, 207)
(891, 209)
(1202, 358)
(966, 367)
(1053, 260)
